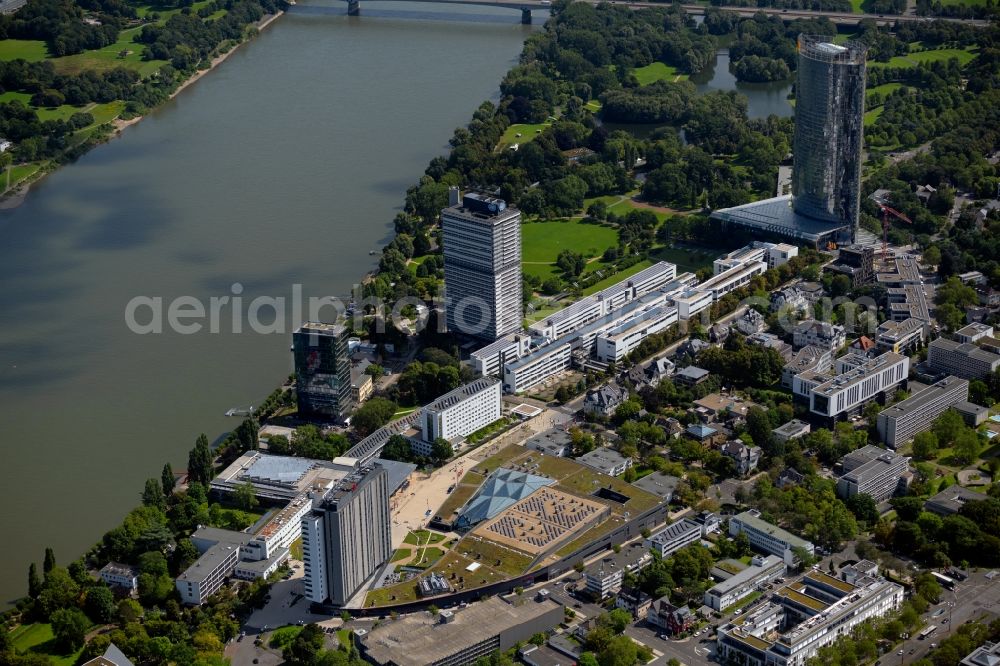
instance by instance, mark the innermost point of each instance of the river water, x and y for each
(285, 165)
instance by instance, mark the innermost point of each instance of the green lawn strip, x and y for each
(500, 459)
(594, 106)
(344, 636)
(873, 115)
(658, 71)
(884, 89)
(403, 412)
(19, 173)
(10, 96)
(282, 638)
(540, 313)
(750, 598)
(494, 556)
(591, 535)
(295, 549)
(528, 132)
(543, 241)
(427, 557)
(489, 430)
(465, 489)
(617, 277)
(914, 58)
(626, 205)
(31, 50)
(857, 6)
(39, 639)
(401, 554)
(108, 58)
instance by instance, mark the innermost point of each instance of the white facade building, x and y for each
(617, 343)
(538, 366)
(766, 537)
(819, 334)
(674, 537)
(120, 575)
(732, 279)
(490, 359)
(692, 302)
(962, 359)
(762, 570)
(849, 391)
(460, 413)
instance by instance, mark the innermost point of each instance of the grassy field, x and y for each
(913, 59)
(593, 106)
(18, 173)
(107, 58)
(499, 459)
(527, 131)
(884, 89)
(872, 116)
(401, 554)
(465, 489)
(26, 49)
(423, 538)
(658, 71)
(39, 639)
(541, 243)
(489, 553)
(282, 638)
(617, 277)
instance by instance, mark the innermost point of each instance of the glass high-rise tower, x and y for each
(322, 370)
(829, 125)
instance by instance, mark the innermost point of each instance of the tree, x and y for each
(167, 480)
(571, 263)
(925, 445)
(152, 495)
(100, 604)
(398, 448)
(373, 415)
(864, 508)
(69, 625)
(34, 581)
(246, 496)
(50, 561)
(441, 450)
(200, 462)
(932, 255)
(967, 446)
(129, 611)
(617, 620)
(948, 426)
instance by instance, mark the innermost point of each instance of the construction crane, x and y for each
(886, 212)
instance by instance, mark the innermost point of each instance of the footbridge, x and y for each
(839, 18)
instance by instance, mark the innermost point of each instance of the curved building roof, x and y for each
(503, 488)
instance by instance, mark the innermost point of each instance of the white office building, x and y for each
(692, 302)
(541, 364)
(766, 537)
(586, 310)
(973, 332)
(617, 343)
(871, 471)
(220, 552)
(459, 413)
(481, 238)
(674, 537)
(732, 279)
(819, 334)
(120, 575)
(762, 570)
(899, 423)
(900, 336)
(850, 390)
(489, 360)
(962, 359)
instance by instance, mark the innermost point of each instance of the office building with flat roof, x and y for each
(766, 537)
(459, 636)
(674, 537)
(491, 359)
(606, 461)
(871, 471)
(973, 332)
(322, 371)
(791, 430)
(762, 570)
(951, 500)
(803, 617)
(481, 239)
(849, 391)
(591, 308)
(220, 552)
(962, 359)
(346, 537)
(899, 423)
(604, 578)
(537, 367)
(901, 337)
(459, 413)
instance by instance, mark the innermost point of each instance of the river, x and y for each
(285, 165)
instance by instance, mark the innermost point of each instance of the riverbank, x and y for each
(16, 196)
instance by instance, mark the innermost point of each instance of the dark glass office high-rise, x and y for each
(829, 124)
(322, 370)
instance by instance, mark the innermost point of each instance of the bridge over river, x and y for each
(839, 18)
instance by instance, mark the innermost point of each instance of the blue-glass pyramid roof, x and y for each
(503, 488)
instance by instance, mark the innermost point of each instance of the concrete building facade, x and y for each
(899, 423)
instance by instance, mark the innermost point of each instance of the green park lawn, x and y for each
(884, 89)
(527, 131)
(593, 106)
(964, 56)
(613, 279)
(282, 638)
(542, 242)
(872, 116)
(685, 259)
(38, 639)
(857, 6)
(16, 174)
(658, 71)
(25, 49)
(107, 58)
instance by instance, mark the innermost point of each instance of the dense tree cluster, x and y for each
(810, 509)
(60, 23)
(968, 537)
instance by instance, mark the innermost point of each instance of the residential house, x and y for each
(635, 601)
(790, 299)
(864, 346)
(672, 619)
(605, 400)
(822, 334)
(691, 376)
(745, 457)
(751, 322)
(791, 430)
(718, 333)
(790, 477)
